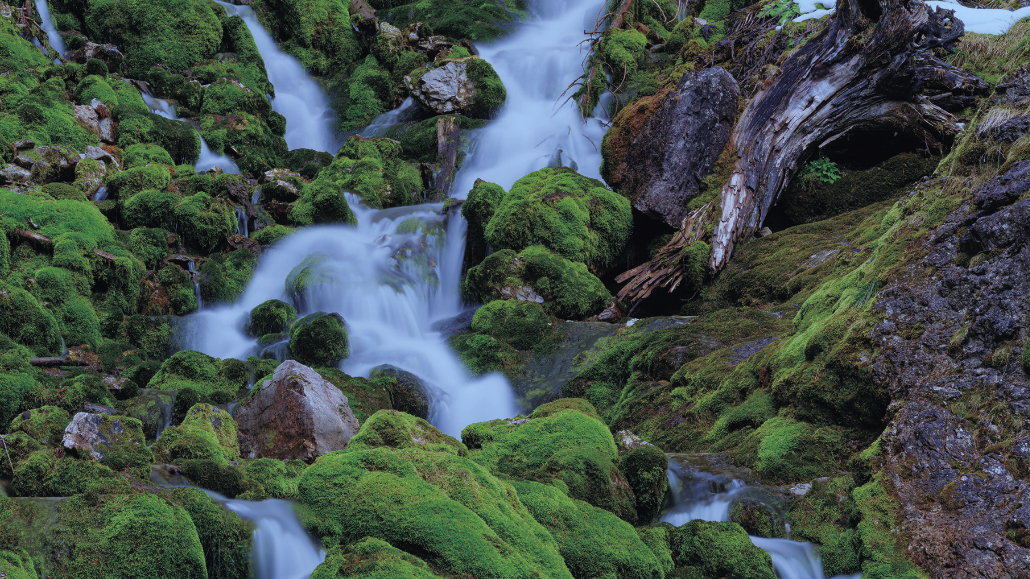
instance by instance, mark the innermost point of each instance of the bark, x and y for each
(52, 362)
(863, 74)
(447, 145)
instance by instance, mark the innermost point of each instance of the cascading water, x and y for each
(48, 25)
(282, 548)
(390, 277)
(697, 494)
(309, 118)
(208, 159)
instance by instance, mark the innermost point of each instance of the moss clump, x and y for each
(758, 519)
(130, 535)
(568, 290)
(201, 373)
(124, 184)
(149, 245)
(372, 558)
(224, 277)
(142, 154)
(419, 143)
(480, 205)
(521, 325)
(576, 217)
(44, 475)
(568, 448)
(593, 542)
(645, 467)
(205, 222)
(206, 433)
(179, 139)
(482, 354)
(271, 234)
(24, 320)
(719, 550)
(271, 317)
(319, 339)
(452, 512)
(17, 564)
(490, 93)
(44, 425)
(479, 22)
(225, 537)
(309, 273)
(63, 191)
(151, 208)
(393, 429)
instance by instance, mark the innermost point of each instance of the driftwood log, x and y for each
(863, 74)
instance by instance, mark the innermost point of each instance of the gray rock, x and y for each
(443, 90)
(298, 415)
(1004, 189)
(93, 435)
(14, 175)
(1000, 230)
(664, 164)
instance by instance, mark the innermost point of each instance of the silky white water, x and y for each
(309, 118)
(697, 494)
(282, 549)
(537, 63)
(208, 159)
(48, 25)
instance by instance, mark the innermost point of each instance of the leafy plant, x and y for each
(821, 169)
(784, 10)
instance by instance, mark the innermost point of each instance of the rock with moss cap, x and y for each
(115, 441)
(467, 86)
(719, 550)
(319, 339)
(573, 216)
(645, 467)
(566, 289)
(270, 317)
(44, 425)
(206, 375)
(521, 325)
(393, 429)
(206, 432)
(372, 558)
(297, 415)
(311, 272)
(408, 393)
(569, 448)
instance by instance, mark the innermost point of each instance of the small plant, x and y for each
(822, 170)
(784, 10)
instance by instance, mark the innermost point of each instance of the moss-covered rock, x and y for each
(142, 154)
(44, 425)
(151, 208)
(645, 468)
(372, 558)
(271, 234)
(719, 550)
(593, 542)
(114, 441)
(393, 429)
(576, 217)
(206, 433)
(568, 448)
(271, 317)
(225, 537)
(24, 320)
(452, 512)
(758, 519)
(408, 393)
(480, 205)
(477, 90)
(201, 373)
(179, 139)
(42, 474)
(223, 278)
(482, 354)
(567, 289)
(150, 245)
(521, 325)
(152, 407)
(319, 339)
(205, 222)
(17, 564)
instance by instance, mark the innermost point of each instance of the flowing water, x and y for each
(208, 159)
(282, 549)
(699, 494)
(309, 118)
(48, 25)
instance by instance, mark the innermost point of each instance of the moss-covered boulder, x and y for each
(569, 449)
(205, 222)
(225, 537)
(271, 317)
(566, 289)
(521, 325)
(114, 441)
(44, 425)
(573, 216)
(42, 474)
(310, 273)
(758, 519)
(319, 339)
(593, 542)
(479, 206)
(408, 393)
(397, 430)
(17, 564)
(203, 374)
(124, 184)
(448, 510)
(151, 407)
(467, 86)
(142, 154)
(24, 320)
(719, 550)
(645, 468)
(207, 432)
(370, 558)
(178, 138)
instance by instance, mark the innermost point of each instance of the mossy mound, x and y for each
(719, 550)
(124, 184)
(225, 537)
(645, 467)
(201, 373)
(452, 512)
(224, 277)
(482, 354)
(179, 139)
(452, 18)
(44, 425)
(568, 290)
(480, 205)
(42, 474)
(568, 448)
(758, 519)
(121, 445)
(593, 542)
(310, 273)
(573, 216)
(23, 320)
(145, 154)
(206, 433)
(271, 234)
(372, 558)
(271, 317)
(393, 429)
(130, 535)
(319, 339)
(205, 222)
(521, 325)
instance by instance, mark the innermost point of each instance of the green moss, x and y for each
(521, 325)
(419, 142)
(569, 291)
(225, 537)
(150, 245)
(96, 87)
(223, 278)
(271, 234)
(567, 446)
(129, 536)
(271, 317)
(142, 154)
(151, 209)
(124, 184)
(174, 33)
(44, 425)
(883, 547)
(307, 274)
(63, 191)
(449, 510)
(205, 222)
(645, 468)
(24, 320)
(44, 475)
(393, 429)
(319, 339)
(200, 372)
(482, 354)
(719, 550)
(576, 217)
(206, 433)
(490, 93)
(480, 205)
(226, 98)
(179, 139)
(480, 22)
(593, 542)
(369, 168)
(372, 558)
(17, 565)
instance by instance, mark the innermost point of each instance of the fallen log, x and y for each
(46, 241)
(862, 75)
(56, 361)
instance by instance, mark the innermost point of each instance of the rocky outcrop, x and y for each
(97, 119)
(408, 393)
(296, 415)
(661, 149)
(116, 441)
(444, 90)
(108, 53)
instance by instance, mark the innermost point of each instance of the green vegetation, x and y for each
(319, 339)
(205, 433)
(645, 467)
(271, 317)
(521, 325)
(201, 373)
(719, 550)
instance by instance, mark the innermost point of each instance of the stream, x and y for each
(398, 271)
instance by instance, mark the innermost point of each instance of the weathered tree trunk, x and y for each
(447, 145)
(862, 74)
(51, 362)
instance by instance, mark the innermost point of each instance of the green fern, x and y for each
(821, 169)
(784, 10)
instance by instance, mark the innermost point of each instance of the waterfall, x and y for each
(390, 277)
(48, 25)
(282, 548)
(309, 118)
(536, 64)
(697, 494)
(208, 159)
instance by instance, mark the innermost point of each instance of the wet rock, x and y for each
(758, 519)
(467, 86)
(97, 119)
(661, 167)
(1004, 189)
(298, 415)
(1000, 230)
(47, 164)
(98, 154)
(116, 441)
(408, 393)
(108, 53)
(645, 468)
(14, 175)
(319, 339)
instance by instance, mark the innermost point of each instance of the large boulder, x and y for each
(467, 86)
(116, 441)
(297, 415)
(660, 149)
(319, 339)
